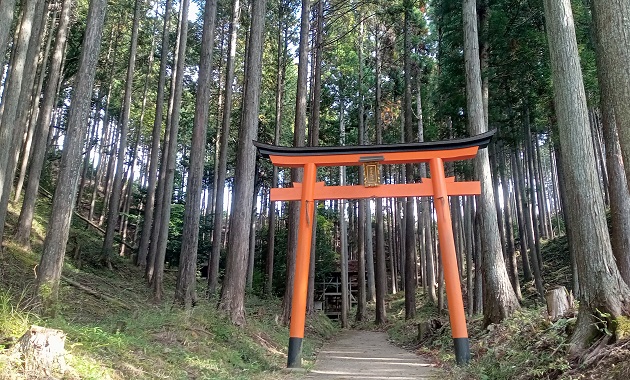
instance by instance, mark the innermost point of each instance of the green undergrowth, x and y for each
(525, 346)
(124, 336)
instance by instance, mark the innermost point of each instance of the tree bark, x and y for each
(361, 228)
(185, 290)
(213, 274)
(16, 97)
(410, 233)
(44, 116)
(170, 154)
(116, 194)
(316, 90)
(602, 289)
(533, 256)
(149, 208)
(380, 275)
(32, 117)
(233, 290)
(499, 298)
(53, 252)
(280, 80)
(343, 226)
(298, 140)
(619, 194)
(509, 232)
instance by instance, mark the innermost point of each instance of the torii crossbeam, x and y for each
(371, 156)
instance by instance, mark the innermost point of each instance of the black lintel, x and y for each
(481, 141)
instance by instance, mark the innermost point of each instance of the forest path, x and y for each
(369, 355)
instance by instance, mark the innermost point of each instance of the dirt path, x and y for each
(368, 355)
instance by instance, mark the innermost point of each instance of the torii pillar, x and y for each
(371, 156)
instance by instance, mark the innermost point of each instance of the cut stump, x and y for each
(559, 303)
(41, 350)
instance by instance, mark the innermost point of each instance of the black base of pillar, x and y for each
(295, 353)
(462, 350)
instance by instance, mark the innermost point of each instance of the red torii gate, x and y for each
(370, 156)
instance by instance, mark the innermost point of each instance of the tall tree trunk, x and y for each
(53, 252)
(233, 290)
(116, 194)
(170, 152)
(362, 297)
(16, 97)
(470, 216)
(509, 230)
(213, 272)
(316, 90)
(499, 298)
(25, 221)
(37, 90)
(280, 79)
(533, 255)
(298, 140)
(612, 28)
(410, 233)
(380, 275)
(185, 290)
(7, 9)
(619, 194)
(603, 293)
(149, 208)
(343, 227)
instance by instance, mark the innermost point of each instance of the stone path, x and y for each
(368, 355)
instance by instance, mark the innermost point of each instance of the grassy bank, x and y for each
(121, 335)
(525, 346)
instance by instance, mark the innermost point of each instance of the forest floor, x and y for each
(368, 355)
(525, 346)
(113, 331)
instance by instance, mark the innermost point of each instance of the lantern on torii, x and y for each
(371, 157)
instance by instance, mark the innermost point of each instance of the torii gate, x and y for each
(371, 156)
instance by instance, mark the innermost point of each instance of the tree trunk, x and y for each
(16, 97)
(410, 233)
(280, 79)
(116, 194)
(612, 28)
(213, 270)
(602, 289)
(343, 227)
(233, 290)
(185, 290)
(44, 116)
(619, 194)
(533, 256)
(6, 21)
(527, 274)
(499, 298)
(170, 153)
(470, 216)
(149, 208)
(32, 119)
(509, 231)
(316, 90)
(361, 228)
(298, 140)
(380, 275)
(53, 252)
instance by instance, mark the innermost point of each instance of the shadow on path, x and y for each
(368, 355)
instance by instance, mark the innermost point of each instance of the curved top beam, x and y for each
(480, 141)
